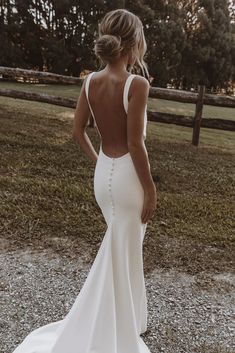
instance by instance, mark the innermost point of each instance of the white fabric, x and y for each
(125, 101)
(87, 93)
(110, 310)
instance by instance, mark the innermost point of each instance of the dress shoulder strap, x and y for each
(126, 90)
(87, 92)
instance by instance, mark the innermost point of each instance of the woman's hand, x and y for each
(150, 203)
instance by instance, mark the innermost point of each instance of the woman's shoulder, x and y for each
(140, 84)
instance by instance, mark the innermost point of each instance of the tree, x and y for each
(188, 42)
(209, 54)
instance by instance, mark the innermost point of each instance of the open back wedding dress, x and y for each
(110, 311)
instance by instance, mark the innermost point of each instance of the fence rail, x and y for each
(182, 120)
(199, 99)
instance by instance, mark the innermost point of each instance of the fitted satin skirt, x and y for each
(110, 311)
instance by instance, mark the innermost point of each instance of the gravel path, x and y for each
(187, 313)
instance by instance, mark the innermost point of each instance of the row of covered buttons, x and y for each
(110, 180)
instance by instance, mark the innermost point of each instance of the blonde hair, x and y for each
(121, 33)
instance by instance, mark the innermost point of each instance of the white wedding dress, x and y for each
(110, 310)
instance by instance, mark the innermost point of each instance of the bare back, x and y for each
(107, 95)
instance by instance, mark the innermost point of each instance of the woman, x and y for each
(110, 312)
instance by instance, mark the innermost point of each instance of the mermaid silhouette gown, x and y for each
(110, 310)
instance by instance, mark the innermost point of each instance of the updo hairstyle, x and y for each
(121, 33)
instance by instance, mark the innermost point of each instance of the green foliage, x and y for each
(56, 55)
(211, 45)
(189, 42)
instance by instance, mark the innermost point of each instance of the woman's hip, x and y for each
(116, 182)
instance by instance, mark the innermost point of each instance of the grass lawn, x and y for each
(46, 186)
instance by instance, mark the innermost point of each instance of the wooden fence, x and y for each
(199, 99)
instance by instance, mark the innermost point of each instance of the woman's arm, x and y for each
(81, 117)
(139, 91)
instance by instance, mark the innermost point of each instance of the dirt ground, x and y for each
(186, 312)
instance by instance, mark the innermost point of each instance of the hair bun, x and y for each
(108, 47)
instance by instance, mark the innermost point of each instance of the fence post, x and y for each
(198, 115)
